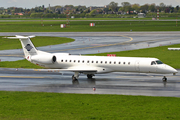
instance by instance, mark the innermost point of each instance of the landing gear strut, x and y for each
(75, 78)
(164, 79)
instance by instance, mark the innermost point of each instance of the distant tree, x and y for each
(144, 8)
(125, 4)
(152, 8)
(171, 9)
(177, 7)
(162, 7)
(69, 7)
(93, 12)
(113, 6)
(106, 10)
(136, 7)
(36, 15)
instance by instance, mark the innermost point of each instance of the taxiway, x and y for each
(89, 43)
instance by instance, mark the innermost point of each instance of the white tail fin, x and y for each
(28, 47)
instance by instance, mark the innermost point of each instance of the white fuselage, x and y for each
(104, 64)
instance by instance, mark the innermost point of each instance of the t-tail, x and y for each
(28, 47)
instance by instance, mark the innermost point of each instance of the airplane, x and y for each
(90, 65)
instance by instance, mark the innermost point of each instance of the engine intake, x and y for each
(45, 59)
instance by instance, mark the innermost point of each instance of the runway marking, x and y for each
(19, 77)
(106, 45)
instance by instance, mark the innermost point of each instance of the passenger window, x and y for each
(78, 61)
(119, 62)
(83, 61)
(92, 61)
(105, 62)
(96, 61)
(101, 61)
(129, 63)
(110, 62)
(114, 62)
(66, 61)
(69, 60)
(74, 60)
(124, 62)
(88, 61)
(61, 60)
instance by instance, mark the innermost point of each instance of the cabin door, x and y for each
(137, 65)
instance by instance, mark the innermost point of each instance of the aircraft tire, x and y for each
(164, 79)
(89, 76)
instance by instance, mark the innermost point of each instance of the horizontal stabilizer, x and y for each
(20, 37)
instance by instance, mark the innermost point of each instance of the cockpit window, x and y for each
(159, 62)
(153, 63)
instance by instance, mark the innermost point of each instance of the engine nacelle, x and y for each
(46, 59)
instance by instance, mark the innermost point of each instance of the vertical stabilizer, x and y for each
(28, 47)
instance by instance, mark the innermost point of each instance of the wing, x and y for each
(80, 70)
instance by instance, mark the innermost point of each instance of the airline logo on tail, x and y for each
(28, 47)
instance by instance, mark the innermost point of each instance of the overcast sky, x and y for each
(34, 3)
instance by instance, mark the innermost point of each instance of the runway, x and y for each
(112, 83)
(89, 43)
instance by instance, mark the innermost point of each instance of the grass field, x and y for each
(83, 26)
(57, 106)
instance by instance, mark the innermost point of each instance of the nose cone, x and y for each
(166, 69)
(171, 69)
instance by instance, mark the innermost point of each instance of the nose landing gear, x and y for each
(164, 79)
(89, 76)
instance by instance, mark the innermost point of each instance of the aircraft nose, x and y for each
(171, 69)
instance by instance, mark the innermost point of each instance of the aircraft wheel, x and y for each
(164, 79)
(74, 80)
(89, 76)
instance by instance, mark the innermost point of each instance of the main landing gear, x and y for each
(75, 78)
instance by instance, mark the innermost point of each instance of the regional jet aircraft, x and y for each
(90, 65)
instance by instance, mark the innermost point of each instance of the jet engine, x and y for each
(45, 59)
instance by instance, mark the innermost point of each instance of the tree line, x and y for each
(110, 10)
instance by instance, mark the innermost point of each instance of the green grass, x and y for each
(18, 64)
(38, 41)
(73, 19)
(83, 26)
(52, 106)
(168, 57)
